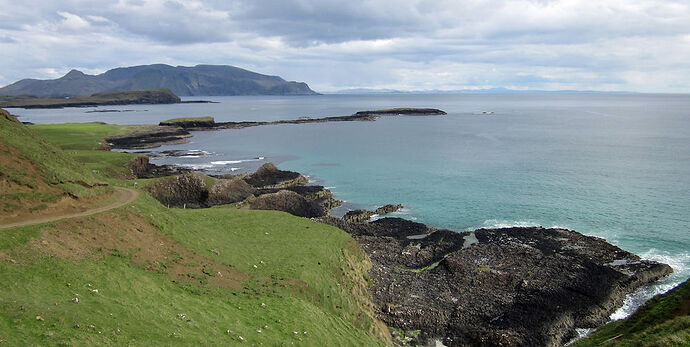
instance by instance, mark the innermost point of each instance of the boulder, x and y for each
(268, 176)
(187, 191)
(227, 191)
(287, 201)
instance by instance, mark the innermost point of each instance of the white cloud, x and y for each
(72, 21)
(641, 45)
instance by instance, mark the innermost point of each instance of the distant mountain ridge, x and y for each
(206, 80)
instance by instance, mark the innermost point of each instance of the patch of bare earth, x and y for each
(128, 234)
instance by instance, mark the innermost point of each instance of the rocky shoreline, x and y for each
(488, 287)
(172, 132)
(514, 286)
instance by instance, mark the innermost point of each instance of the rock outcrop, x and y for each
(361, 216)
(140, 167)
(287, 201)
(149, 136)
(187, 191)
(227, 191)
(268, 176)
(516, 286)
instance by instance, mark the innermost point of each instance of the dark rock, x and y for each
(149, 137)
(361, 216)
(386, 209)
(140, 167)
(268, 176)
(315, 194)
(358, 216)
(226, 191)
(196, 122)
(289, 202)
(187, 191)
(516, 286)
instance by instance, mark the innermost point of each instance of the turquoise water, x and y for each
(613, 166)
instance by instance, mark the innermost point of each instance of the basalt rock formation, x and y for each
(517, 286)
(269, 177)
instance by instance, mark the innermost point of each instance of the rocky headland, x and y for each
(494, 287)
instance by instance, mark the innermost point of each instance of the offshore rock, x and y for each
(515, 286)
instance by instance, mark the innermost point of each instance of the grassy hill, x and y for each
(143, 274)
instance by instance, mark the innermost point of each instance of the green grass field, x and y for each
(172, 276)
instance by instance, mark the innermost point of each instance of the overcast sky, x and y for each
(633, 45)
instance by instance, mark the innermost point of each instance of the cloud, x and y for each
(639, 45)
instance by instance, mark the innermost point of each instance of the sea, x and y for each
(615, 166)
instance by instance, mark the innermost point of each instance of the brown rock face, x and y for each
(229, 191)
(516, 286)
(268, 176)
(287, 201)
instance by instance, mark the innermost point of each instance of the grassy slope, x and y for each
(79, 141)
(309, 276)
(34, 174)
(662, 321)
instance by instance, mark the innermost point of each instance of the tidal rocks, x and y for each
(191, 122)
(386, 209)
(287, 201)
(140, 167)
(358, 216)
(408, 111)
(361, 216)
(515, 286)
(149, 136)
(269, 177)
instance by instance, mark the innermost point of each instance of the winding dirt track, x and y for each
(124, 196)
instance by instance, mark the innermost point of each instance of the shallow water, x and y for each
(613, 166)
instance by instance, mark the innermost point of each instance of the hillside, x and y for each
(183, 81)
(143, 274)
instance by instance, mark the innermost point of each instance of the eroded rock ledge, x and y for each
(516, 286)
(177, 130)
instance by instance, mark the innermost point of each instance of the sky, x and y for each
(606, 45)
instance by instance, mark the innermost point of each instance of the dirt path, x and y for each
(124, 196)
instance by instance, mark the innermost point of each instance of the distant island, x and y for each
(161, 96)
(208, 80)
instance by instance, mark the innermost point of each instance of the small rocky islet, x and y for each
(510, 286)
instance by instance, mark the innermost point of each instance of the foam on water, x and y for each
(679, 263)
